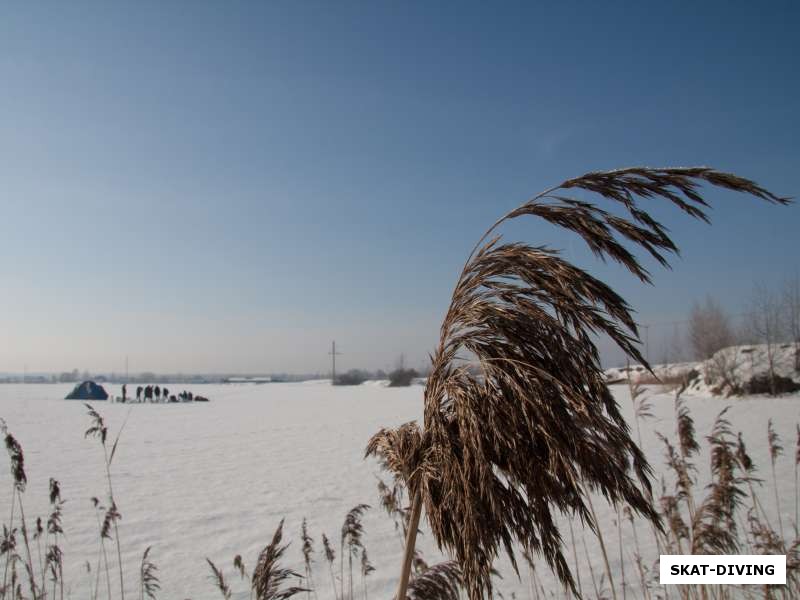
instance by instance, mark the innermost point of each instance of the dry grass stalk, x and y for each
(591, 569)
(575, 559)
(621, 556)
(599, 534)
(506, 443)
(638, 554)
(98, 509)
(775, 450)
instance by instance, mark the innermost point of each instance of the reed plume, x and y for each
(219, 580)
(269, 577)
(442, 581)
(330, 556)
(775, 450)
(366, 569)
(352, 531)
(54, 529)
(516, 407)
(308, 552)
(148, 580)
(97, 429)
(715, 530)
(238, 564)
(16, 459)
(391, 499)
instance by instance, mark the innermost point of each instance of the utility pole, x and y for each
(333, 354)
(126, 368)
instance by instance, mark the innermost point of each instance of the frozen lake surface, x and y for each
(213, 480)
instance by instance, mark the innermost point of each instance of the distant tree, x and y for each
(709, 329)
(673, 348)
(791, 304)
(402, 377)
(352, 377)
(765, 324)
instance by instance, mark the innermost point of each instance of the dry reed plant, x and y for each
(308, 560)
(516, 406)
(330, 557)
(366, 570)
(269, 578)
(47, 534)
(148, 580)
(442, 581)
(219, 580)
(98, 430)
(352, 532)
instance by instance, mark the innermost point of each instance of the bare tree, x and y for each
(791, 302)
(673, 347)
(765, 325)
(709, 329)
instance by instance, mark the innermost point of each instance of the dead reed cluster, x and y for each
(727, 516)
(44, 578)
(517, 410)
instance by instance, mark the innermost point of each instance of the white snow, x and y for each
(213, 480)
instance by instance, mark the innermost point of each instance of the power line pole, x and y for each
(333, 354)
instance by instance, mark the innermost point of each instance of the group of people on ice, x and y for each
(154, 393)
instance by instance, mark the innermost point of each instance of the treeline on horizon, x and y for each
(397, 377)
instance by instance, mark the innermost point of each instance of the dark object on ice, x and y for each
(88, 390)
(200, 399)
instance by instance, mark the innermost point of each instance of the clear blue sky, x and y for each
(229, 186)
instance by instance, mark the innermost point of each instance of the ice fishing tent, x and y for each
(88, 390)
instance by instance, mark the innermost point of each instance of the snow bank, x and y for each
(731, 371)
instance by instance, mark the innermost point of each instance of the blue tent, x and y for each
(88, 390)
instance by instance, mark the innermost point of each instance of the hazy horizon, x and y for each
(209, 188)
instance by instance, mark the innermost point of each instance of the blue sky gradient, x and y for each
(229, 186)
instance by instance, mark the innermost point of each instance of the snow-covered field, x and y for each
(213, 480)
